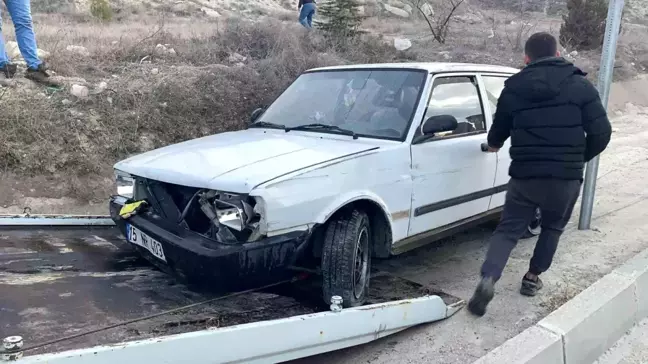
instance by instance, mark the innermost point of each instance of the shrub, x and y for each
(342, 18)
(101, 10)
(438, 21)
(583, 26)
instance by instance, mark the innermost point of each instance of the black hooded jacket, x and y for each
(555, 119)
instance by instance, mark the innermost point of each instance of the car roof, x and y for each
(432, 67)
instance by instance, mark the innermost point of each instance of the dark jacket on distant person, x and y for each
(555, 119)
(302, 2)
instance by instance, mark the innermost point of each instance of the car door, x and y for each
(492, 85)
(452, 177)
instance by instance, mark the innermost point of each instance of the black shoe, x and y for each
(530, 287)
(482, 296)
(39, 74)
(9, 70)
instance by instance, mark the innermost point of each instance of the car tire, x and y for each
(346, 258)
(534, 227)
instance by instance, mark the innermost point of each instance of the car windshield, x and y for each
(371, 103)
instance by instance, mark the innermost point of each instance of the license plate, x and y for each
(138, 237)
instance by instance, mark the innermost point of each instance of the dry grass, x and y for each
(155, 99)
(555, 301)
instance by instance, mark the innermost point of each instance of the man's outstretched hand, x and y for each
(488, 149)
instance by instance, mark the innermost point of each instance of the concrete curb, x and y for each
(585, 327)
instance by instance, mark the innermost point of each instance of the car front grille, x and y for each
(168, 201)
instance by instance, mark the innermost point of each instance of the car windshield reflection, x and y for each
(375, 103)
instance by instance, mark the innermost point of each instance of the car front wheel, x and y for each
(346, 258)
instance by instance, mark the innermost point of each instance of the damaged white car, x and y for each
(349, 163)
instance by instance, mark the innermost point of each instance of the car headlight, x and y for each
(233, 211)
(125, 184)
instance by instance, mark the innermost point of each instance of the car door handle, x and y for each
(484, 147)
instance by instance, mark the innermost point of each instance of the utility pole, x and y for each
(612, 26)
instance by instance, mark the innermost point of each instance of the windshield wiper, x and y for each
(326, 127)
(266, 124)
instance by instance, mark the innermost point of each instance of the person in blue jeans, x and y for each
(20, 12)
(306, 11)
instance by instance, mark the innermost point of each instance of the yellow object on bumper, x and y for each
(131, 209)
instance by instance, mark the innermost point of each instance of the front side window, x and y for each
(494, 86)
(370, 103)
(457, 96)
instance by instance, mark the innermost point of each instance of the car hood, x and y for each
(239, 161)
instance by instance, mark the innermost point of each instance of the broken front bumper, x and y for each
(199, 260)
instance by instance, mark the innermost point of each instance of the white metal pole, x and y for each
(606, 69)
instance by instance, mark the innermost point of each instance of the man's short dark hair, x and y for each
(541, 45)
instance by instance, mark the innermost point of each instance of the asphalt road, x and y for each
(58, 283)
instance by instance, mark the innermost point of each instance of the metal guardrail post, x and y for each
(606, 69)
(12, 348)
(336, 303)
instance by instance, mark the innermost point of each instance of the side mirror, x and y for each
(255, 114)
(439, 124)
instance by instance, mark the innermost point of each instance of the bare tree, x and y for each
(517, 36)
(438, 22)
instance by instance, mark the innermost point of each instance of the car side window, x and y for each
(457, 96)
(494, 86)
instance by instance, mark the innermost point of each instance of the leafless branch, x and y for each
(517, 36)
(439, 25)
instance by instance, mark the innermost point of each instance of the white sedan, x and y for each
(348, 163)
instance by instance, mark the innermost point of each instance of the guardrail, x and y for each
(27, 220)
(259, 342)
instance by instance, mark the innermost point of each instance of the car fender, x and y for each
(294, 213)
(312, 197)
(348, 198)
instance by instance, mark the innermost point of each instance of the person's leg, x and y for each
(303, 16)
(518, 213)
(556, 212)
(3, 53)
(5, 67)
(20, 12)
(310, 17)
(519, 210)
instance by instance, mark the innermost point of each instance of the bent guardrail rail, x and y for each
(54, 220)
(266, 341)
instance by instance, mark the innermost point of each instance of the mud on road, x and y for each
(59, 283)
